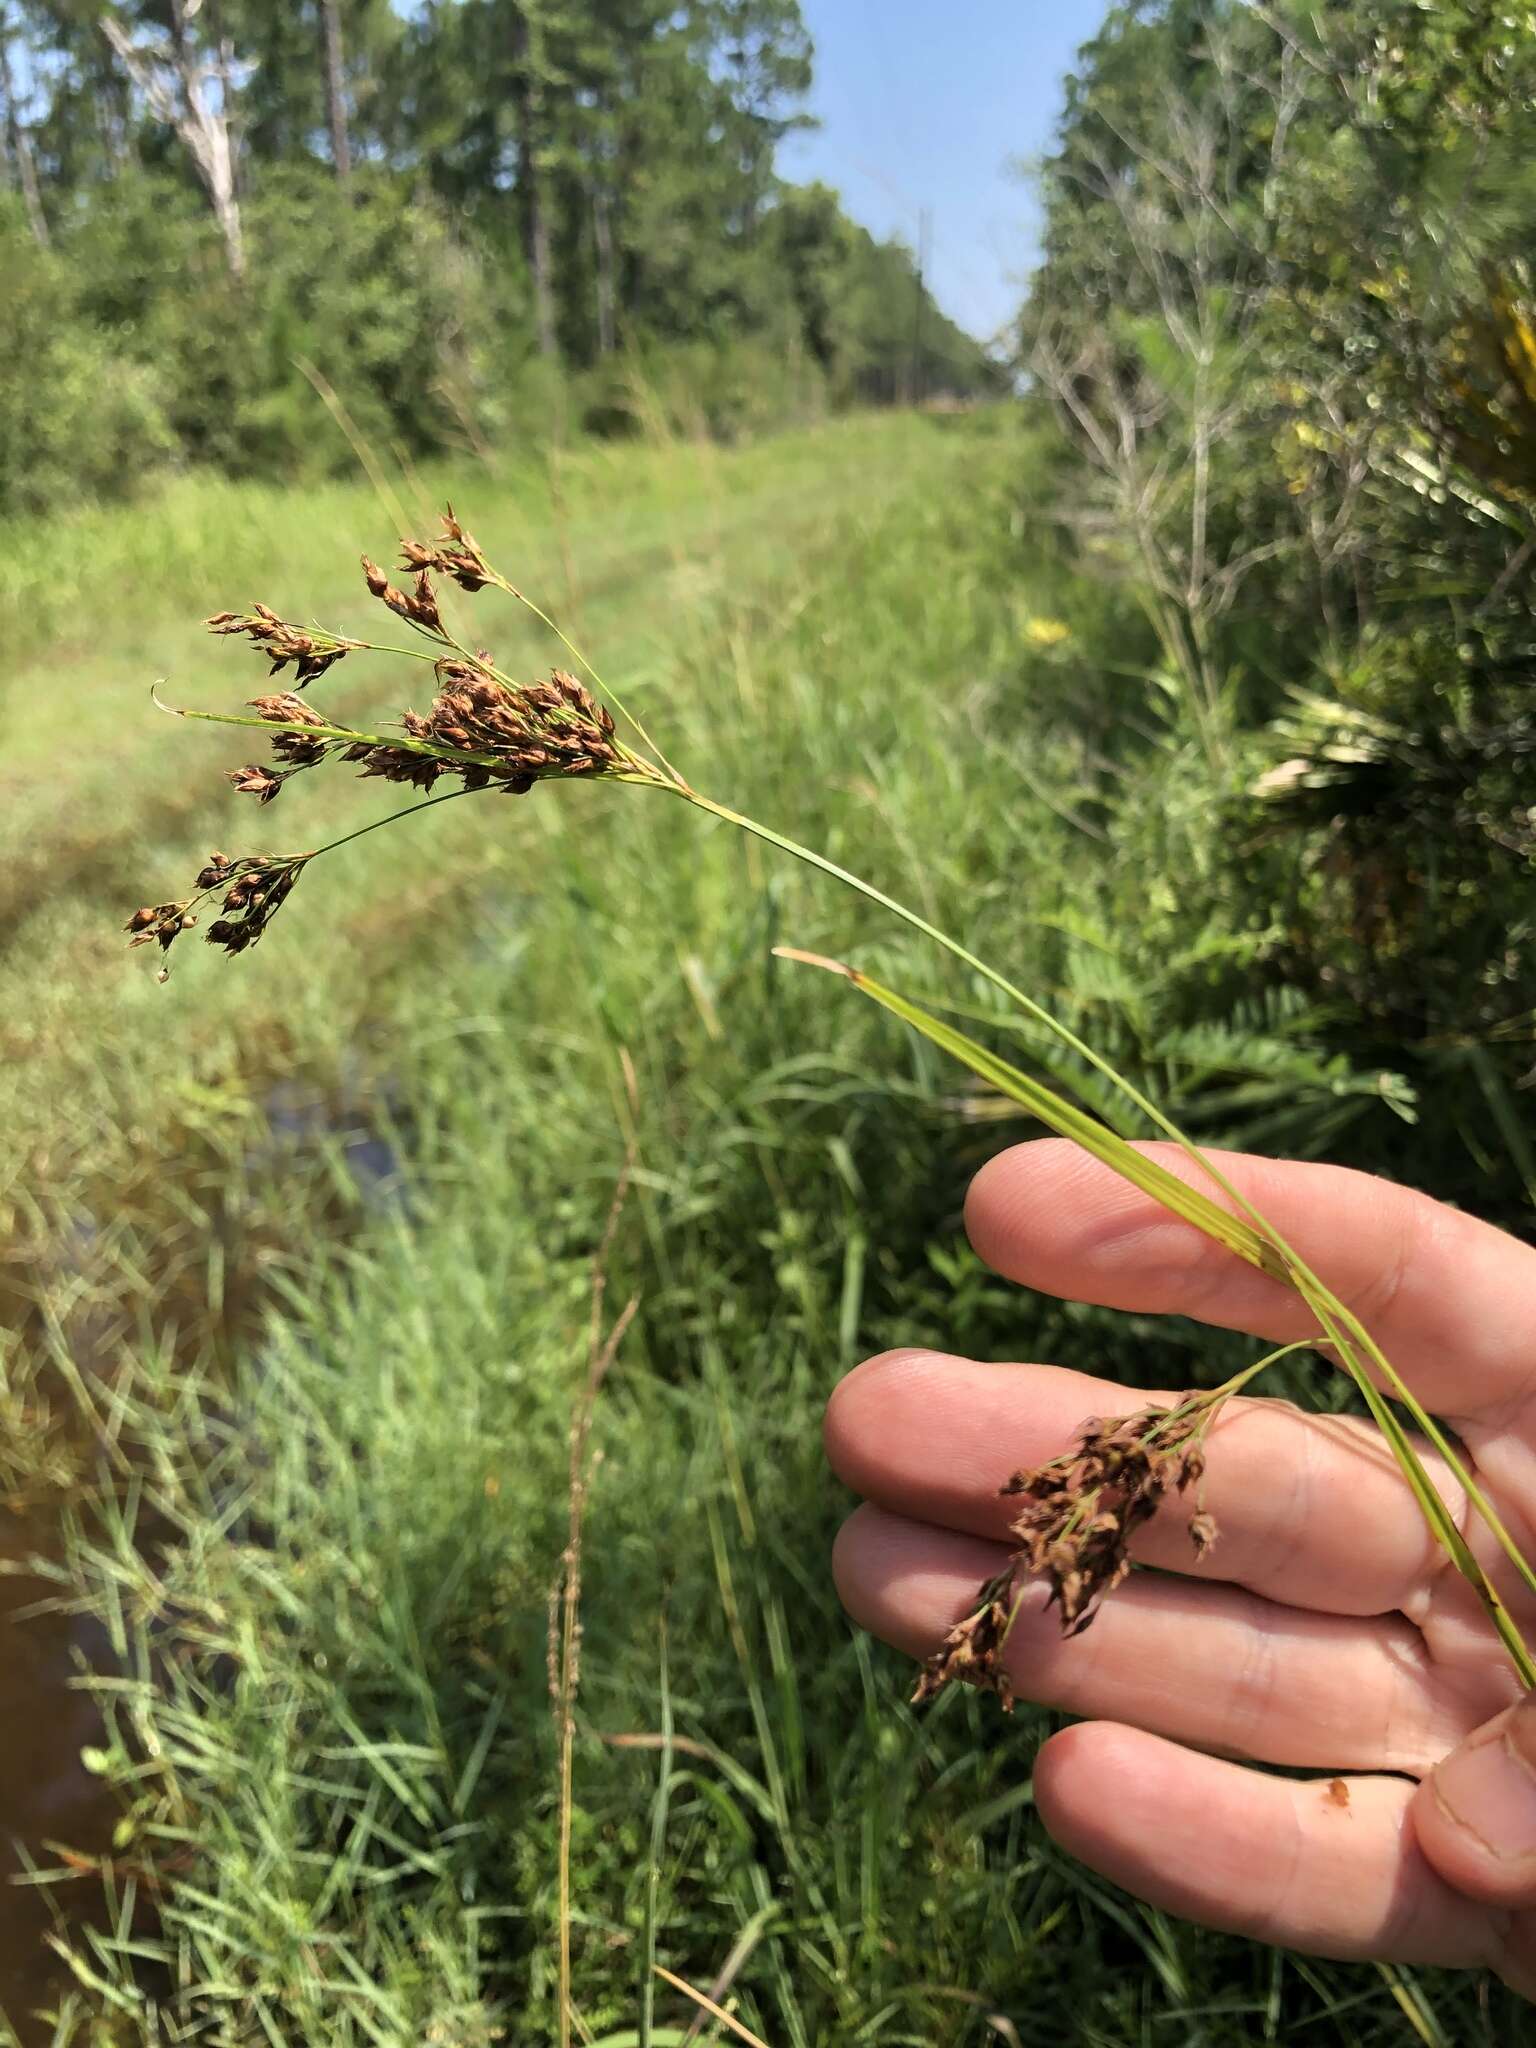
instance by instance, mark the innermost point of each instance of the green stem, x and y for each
(405, 653)
(427, 804)
(1220, 1395)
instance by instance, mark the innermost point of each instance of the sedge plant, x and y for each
(485, 732)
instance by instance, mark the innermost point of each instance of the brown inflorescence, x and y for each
(972, 1652)
(294, 750)
(480, 729)
(419, 605)
(454, 553)
(255, 887)
(311, 652)
(1074, 1526)
(259, 885)
(514, 737)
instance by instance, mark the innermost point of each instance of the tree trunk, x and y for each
(539, 258)
(336, 91)
(19, 144)
(528, 106)
(177, 94)
(602, 236)
(226, 211)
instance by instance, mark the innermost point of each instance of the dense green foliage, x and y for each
(514, 219)
(1286, 374)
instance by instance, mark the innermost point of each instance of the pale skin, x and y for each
(1326, 1629)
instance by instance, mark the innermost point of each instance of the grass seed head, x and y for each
(254, 886)
(480, 729)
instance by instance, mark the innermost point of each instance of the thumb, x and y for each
(1475, 1814)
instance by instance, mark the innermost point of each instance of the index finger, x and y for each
(1449, 1299)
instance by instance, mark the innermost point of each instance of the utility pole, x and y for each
(916, 380)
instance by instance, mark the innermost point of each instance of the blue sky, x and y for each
(924, 105)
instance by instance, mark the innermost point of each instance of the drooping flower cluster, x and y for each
(255, 887)
(1077, 1516)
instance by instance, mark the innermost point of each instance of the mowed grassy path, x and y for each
(297, 1259)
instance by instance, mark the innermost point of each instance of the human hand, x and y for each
(1325, 1629)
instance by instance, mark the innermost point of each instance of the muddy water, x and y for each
(54, 1814)
(47, 1799)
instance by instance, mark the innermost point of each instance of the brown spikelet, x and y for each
(254, 780)
(454, 553)
(418, 605)
(1074, 1526)
(423, 602)
(311, 652)
(163, 923)
(972, 1652)
(295, 748)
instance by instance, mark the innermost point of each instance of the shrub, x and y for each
(84, 417)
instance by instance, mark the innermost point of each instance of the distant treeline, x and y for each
(474, 217)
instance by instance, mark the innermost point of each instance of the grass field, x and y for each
(297, 1262)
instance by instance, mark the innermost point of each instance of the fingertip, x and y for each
(851, 1426)
(1475, 1815)
(1079, 1772)
(904, 1581)
(1003, 1189)
(846, 1572)
(1050, 1215)
(870, 1556)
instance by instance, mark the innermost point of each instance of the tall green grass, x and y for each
(323, 1498)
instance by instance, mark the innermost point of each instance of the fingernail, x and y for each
(1488, 1786)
